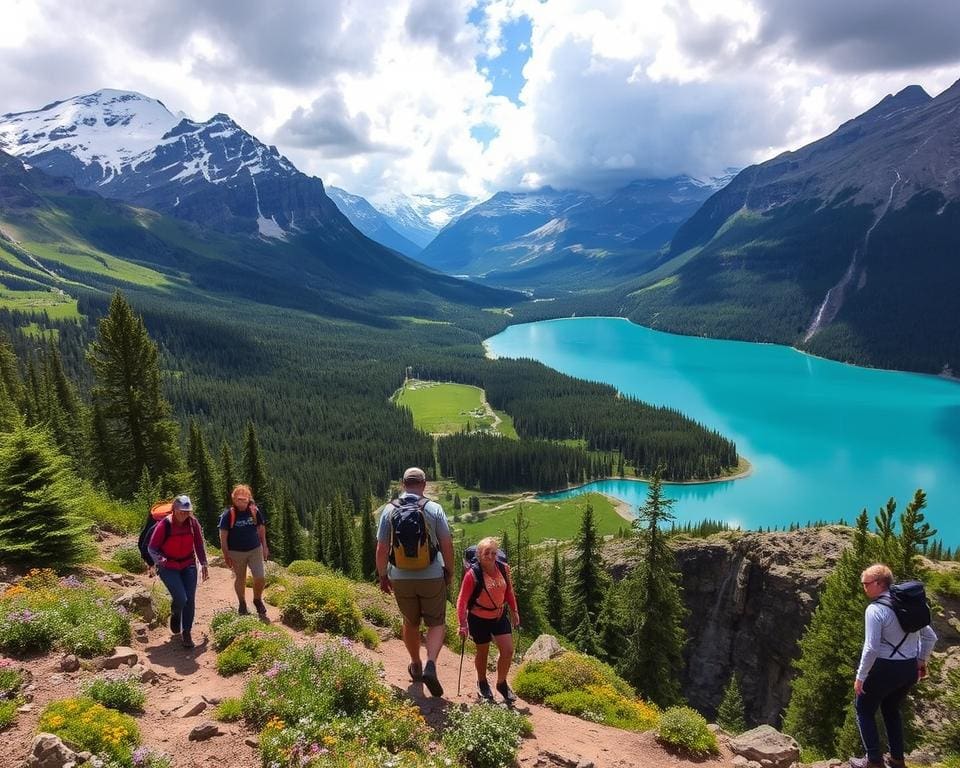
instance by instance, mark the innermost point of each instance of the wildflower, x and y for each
(345, 642)
(71, 582)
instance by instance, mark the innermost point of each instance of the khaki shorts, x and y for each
(252, 558)
(421, 599)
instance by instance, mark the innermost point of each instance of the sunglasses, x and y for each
(868, 583)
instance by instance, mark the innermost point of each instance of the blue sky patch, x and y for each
(505, 72)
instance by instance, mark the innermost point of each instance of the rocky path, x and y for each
(188, 685)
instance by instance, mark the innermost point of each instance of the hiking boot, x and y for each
(430, 679)
(891, 762)
(188, 640)
(504, 690)
(415, 668)
(174, 625)
(242, 610)
(863, 762)
(483, 688)
(261, 608)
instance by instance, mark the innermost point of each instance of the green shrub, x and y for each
(229, 710)
(11, 679)
(323, 604)
(41, 612)
(92, 727)
(603, 704)
(686, 730)
(378, 615)
(307, 568)
(484, 736)
(162, 603)
(8, 712)
(250, 648)
(320, 682)
(227, 626)
(944, 583)
(368, 637)
(128, 558)
(123, 694)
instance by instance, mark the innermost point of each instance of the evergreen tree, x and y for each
(254, 468)
(39, 525)
(914, 534)
(829, 651)
(588, 580)
(342, 553)
(526, 577)
(612, 626)
(135, 429)
(555, 594)
(321, 534)
(368, 546)
(584, 637)
(654, 660)
(206, 497)
(730, 715)
(11, 387)
(293, 533)
(888, 550)
(62, 412)
(228, 473)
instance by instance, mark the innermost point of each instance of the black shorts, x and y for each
(481, 630)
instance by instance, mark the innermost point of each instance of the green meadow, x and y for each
(444, 408)
(559, 520)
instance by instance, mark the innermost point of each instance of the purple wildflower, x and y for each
(71, 582)
(140, 756)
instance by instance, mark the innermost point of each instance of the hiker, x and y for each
(485, 594)
(892, 661)
(175, 547)
(414, 562)
(243, 540)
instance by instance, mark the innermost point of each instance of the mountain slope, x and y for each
(846, 247)
(55, 236)
(420, 217)
(371, 222)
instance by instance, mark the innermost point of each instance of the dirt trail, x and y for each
(192, 674)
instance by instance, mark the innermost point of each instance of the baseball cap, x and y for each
(183, 502)
(414, 474)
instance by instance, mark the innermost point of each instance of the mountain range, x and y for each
(846, 247)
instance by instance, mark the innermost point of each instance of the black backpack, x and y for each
(410, 545)
(158, 512)
(470, 562)
(908, 601)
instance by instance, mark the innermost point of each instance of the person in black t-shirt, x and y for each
(243, 539)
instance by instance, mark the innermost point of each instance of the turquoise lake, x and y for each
(825, 439)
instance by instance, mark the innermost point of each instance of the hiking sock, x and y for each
(504, 690)
(430, 679)
(483, 688)
(261, 608)
(187, 639)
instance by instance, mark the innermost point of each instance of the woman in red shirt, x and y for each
(486, 616)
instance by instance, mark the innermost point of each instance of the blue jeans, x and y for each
(887, 683)
(182, 586)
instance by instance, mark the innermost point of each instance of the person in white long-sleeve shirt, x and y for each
(891, 663)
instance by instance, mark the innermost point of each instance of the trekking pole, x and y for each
(463, 642)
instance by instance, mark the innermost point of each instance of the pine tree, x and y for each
(11, 387)
(584, 637)
(206, 497)
(228, 473)
(368, 545)
(39, 524)
(293, 533)
(829, 650)
(914, 534)
(654, 660)
(135, 428)
(730, 715)
(612, 626)
(254, 469)
(588, 580)
(555, 594)
(321, 534)
(343, 536)
(526, 577)
(62, 412)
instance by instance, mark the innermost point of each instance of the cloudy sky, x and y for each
(446, 96)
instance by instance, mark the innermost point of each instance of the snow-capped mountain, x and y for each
(371, 222)
(128, 147)
(420, 217)
(91, 137)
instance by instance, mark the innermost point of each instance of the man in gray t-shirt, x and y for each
(420, 593)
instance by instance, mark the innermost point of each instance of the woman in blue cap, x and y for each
(175, 546)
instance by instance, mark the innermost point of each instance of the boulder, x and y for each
(137, 600)
(69, 663)
(543, 648)
(121, 655)
(190, 708)
(767, 746)
(206, 730)
(48, 751)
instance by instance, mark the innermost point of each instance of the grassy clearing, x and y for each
(444, 408)
(83, 259)
(549, 520)
(505, 427)
(443, 491)
(54, 305)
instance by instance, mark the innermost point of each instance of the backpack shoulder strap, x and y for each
(478, 585)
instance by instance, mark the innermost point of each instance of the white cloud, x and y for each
(383, 94)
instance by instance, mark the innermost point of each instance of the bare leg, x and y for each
(240, 582)
(435, 637)
(480, 660)
(505, 647)
(411, 639)
(258, 585)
